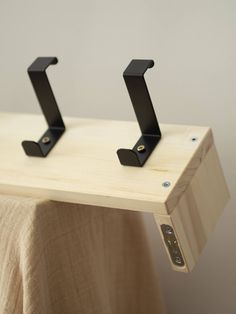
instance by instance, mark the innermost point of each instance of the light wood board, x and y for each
(83, 167)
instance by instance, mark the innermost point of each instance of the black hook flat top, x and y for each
(42, 63)
(138, 67)
(144, 111)
(48, 104)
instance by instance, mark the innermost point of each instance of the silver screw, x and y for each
(141, 148)
(169, 230)
(178, 260)
(46, 140)
(166, 184)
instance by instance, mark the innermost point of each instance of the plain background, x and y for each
(193, 82)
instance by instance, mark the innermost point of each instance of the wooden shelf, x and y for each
(83, 168)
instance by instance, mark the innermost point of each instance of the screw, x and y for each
(169, 230)
(194, 139)
(178, 260)
(141, 148)
(166, 184)
(46, 140)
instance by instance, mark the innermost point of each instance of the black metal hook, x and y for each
(48, 104)
(142, 104)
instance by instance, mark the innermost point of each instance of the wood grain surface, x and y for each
(83, 167)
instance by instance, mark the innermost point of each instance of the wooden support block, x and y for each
(198, 209)
(83, 168)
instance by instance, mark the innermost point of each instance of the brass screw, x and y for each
(46, 140)
(141, 148)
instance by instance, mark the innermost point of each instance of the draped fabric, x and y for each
(68, 258)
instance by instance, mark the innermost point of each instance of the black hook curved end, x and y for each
(128, 156)
(140, 153)
(45, 144)
(32, 148)
(48, 104)
(144, 111)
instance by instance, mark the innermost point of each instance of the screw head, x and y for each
(194, 139)
(178, 260)
(46, 140)
(141, 148)
(166, 184)
(168, 230)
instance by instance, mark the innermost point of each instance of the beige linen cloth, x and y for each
(66, 258)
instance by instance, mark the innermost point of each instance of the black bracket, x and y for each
(142, 104)
(48, 104)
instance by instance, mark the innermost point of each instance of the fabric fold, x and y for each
(70, 258)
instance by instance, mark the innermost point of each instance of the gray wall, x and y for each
(193, 82)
